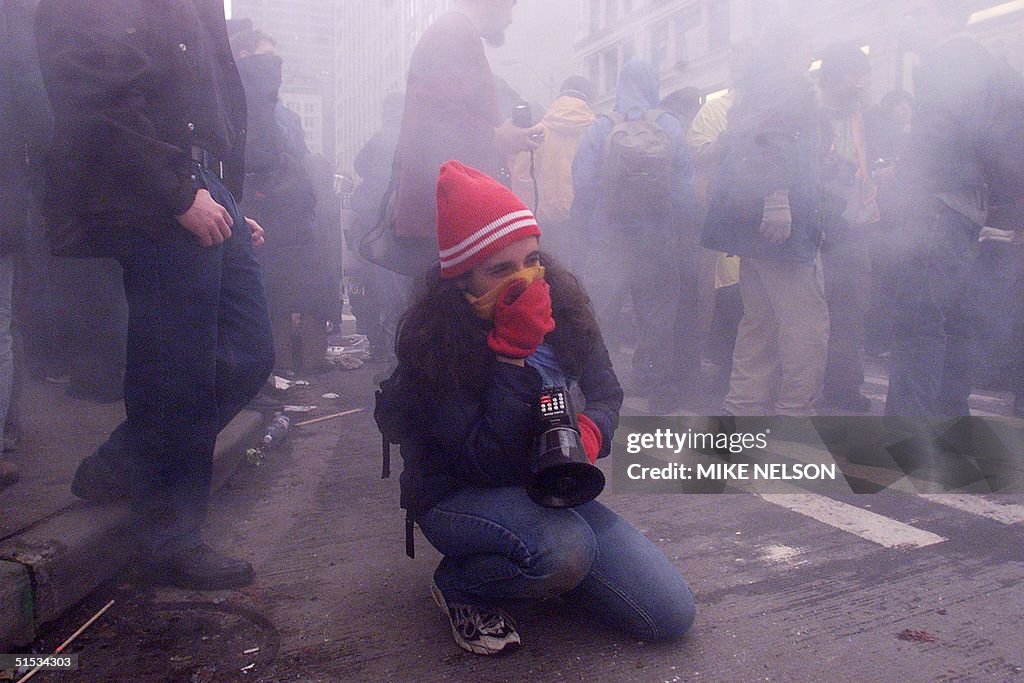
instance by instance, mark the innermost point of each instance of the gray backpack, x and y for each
(639, 156)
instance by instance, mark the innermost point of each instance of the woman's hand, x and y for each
(591, 437)
(522, 317)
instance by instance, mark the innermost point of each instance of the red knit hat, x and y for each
(476, 217)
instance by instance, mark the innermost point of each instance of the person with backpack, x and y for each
(765, 208)
(633, 176)
(494, 325)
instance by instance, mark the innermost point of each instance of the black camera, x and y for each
(562, 474)
(522, 116)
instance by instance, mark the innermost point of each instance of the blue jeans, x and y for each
(936, 320)
(199, 349)
(500, 547)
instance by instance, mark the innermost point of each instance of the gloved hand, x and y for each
(591, 437)
(522, 316)
(776, 218)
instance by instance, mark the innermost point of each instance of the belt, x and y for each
(208, 161)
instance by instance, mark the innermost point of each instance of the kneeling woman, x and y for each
(493, 326)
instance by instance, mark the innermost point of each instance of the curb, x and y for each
(51, 567)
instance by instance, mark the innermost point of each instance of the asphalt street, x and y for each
(895, 586)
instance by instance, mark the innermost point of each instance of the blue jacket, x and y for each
(637, 91)
(456, 441)
(772, 143)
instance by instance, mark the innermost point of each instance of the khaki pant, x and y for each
(782, 345)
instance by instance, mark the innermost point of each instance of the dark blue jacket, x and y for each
(772, 143)
(451, 442)
(638, 91)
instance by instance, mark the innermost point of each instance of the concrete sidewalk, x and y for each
(54, 548)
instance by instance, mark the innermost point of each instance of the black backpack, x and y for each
(380, 245)
(639, 160)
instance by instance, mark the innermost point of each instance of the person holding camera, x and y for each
(494, 325)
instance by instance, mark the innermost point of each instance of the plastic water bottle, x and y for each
(276, 430)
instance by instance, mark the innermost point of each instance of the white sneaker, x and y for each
(480, 630)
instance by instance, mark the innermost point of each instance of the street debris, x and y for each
(299, 409)
(350, 353)
(251, 650)
(917, 636)
(71, 639)
(328, 417)
(330, 395)
(282, 384)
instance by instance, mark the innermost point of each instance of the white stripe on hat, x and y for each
(484, 230)
(450, 263)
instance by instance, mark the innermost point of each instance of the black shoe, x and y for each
(98, 482)
(199, 568)
(853, 401)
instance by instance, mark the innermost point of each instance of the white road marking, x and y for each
(868, 525)
(1004, 513)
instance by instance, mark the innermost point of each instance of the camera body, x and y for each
(522, 116)
(562, 473)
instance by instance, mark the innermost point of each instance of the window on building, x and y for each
(719, 21)
(684, 26)
(610, 59)
(627, 6)
(660, 37)
(595, 16)
(611, 12)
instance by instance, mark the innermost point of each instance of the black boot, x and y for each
(98, 481)
(199, 568)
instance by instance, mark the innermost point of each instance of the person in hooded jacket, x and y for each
(638, 256)
(491, 327)
(564, 124)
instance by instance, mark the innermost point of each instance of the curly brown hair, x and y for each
(443, 344)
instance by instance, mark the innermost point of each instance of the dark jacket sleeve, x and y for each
(489, 442)
(604, 395)
(97, 70)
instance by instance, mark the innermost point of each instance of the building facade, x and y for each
(307, 40)
(375, 43)
(689, 40)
